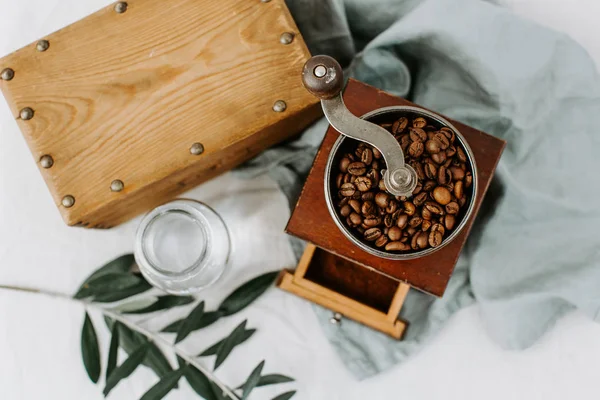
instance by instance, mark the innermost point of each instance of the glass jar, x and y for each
(182, 246)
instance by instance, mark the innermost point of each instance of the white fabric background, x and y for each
(39, 336)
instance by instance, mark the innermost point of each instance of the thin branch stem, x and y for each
(116, 316)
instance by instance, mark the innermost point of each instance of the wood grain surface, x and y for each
(311, 220)
(124, 96)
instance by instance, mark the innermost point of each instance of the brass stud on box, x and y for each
(197, 149)
(279, 106)
(117, 185)
(27, 113)
(121, 7)
(336, 318)
(68, 201)
(7, 74)
(286, 38)
(46, 161)
(42, 45)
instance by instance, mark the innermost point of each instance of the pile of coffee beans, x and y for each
(400, 224)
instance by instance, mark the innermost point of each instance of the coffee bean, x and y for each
(426, 214)
(347, 189)
(355, 204)
(357, 168)
(449, 221)
(458, 189)
(409, 208)
(388, 220)
(468, 179)
(418, 167)
(439, 228)
(339, 180)
(435, 238)
(371, 221)
(376, 153)
(442, 195)
(391, 207)
(434, 208)
(430, 169)
(413, 242)
(367, 156)
(418, 135)
(462, 201)
(347, 178)
(429, 186)
(420, 199)
(382, 199)
(356, 196)
(422, 240)
(344, 162)
(411, 231)
(399, 125)
(345, 210)
(381, 211)
(452, 208)
(375, 165)
(444, 142)
(396, 246)
(359, 150)
(418, 188)
(381, 241)
(419, 122)
(416, 149)
(352, 178)
(372, 234)
(439, 158)
(349, 156)
(368, 208)
(369, 196)
(402, 221)
(355, 218)
(405, 142)
(433, 146)
(395, 233)
(415, 221)
(457, 173)
(363, 183)
(460, 154)
(449, 133)
(450, 151)
(425, 225)
(381, 185)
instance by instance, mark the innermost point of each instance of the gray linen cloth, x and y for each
(534, 252)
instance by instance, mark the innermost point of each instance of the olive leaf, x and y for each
(229, 343)
(164, 386)
(271, 379)
(285, 396)
(189, 322)
(130, 340)
(244, 295)
(134, 305)
(108, 283)
(89, 349)
(127, 368)
(197, 380)
(218, 392)
(163, 303)
(110, 297)
(207, 319)
(120, 265)
(212, 350)
(113, 350)
(252, 380)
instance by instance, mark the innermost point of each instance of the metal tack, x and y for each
(117, 185)
(121, 7)
(286, 38)
(46, 161)
(7, 74)
(336, 319)
(68, 201)
(279, 106)
(197, 149)
(265, 1)
(42, 45)
(320, 71)
(27, 113)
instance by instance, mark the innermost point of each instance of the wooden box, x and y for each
(143, 100)
(312, 222)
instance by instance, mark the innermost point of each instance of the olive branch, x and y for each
(120, 280)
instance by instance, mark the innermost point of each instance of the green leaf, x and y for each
(199, 382)
(189, 322)
(120, 265)
(247, 293)
(130, 340)
(113, 350)
(136, 304)
(252, 380)
(207, 319)
(212, 350)
(110, 297)
(89, 349)
(285, 396)
(163, 303)
(218, 392)
(127, 368)
(229, 343)
(164, 386)
(271, 379)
